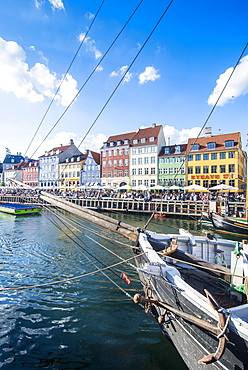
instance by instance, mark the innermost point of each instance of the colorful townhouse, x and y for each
(49, 164)
(216, 159)
(30, 173)
(172, 165)
(145, 146)
(90, 173)
(14, 173)
(9, 161)
(69, 172)
(114, 159)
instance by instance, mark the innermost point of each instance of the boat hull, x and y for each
(19, 209)
(229, 225)
(192, 342)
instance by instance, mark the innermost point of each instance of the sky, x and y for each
(68, 72)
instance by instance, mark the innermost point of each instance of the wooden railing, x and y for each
(168, 207)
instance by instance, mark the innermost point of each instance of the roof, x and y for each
(172, 150)
(34, 163)
(74, 158)
(11, 158)
(218, 139)
(142, 133)
(17, 166)
(96, 157)
(61, 149)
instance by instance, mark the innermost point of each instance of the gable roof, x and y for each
(96, 157)
(172, 150)
(218, 139)
(13, 159)
(61, 149)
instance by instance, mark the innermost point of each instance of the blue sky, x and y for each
(174, 82)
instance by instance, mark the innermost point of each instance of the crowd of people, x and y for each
(133, 195)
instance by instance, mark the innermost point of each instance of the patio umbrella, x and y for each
(157, 187)
(125, 187)
(223, 187)
(196, 187)
(140, 187)
(174, 187)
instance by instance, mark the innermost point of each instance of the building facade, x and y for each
(49, 164)
(144, 149)
(172, 165)
(30, 173)
(216, 159)
(9, 161)
(90, 173)
(69, 172)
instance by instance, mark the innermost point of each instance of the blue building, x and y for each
(10, 160)
(90, 174)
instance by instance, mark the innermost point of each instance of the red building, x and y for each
(30, 173)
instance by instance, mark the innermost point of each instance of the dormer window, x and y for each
(112, 143)
(72, 159)
(195, 147)
(167, 150)
(126, 141)
(143, 140)
(135, 141)
(229, 144)
(78, 159)
(67, 160)
(177, 149)
(211, 145)
(105, 145)
(57, 151)
(151, 139)
(119, 142)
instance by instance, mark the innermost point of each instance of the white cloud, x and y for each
(120, 72)
(238, 84)
(56, 4)
(174, 136)
(90, 45)
(89, 15)
(150, 74)
(99, 68)
(32, 84)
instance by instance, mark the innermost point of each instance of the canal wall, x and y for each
(160, 206)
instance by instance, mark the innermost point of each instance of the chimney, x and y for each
(154, 125)
(208, 131)
(61, 144)
(71, 142)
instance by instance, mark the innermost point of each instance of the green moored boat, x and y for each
(17, 209)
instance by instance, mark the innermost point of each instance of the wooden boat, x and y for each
(228, 224)
(194, 307)
(17, 209)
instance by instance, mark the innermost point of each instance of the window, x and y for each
(222, 168)
(115, 163)
(190, 157)
(140, 150)
(109, 173)
(134, 183)
(135, 141)
(171, 171)
(146, 182)
(119, 142)
(143, 140)
(109, 163)
(198, 157)
(166, 171)
(153, 160)
(153, 149)
(120, 173)
(211, 145)
(140, 160)
(125, 172)
(231, 154)
(177, 149)
(126, 151)
(231, 168)
(229, 143)
(153, 171)
(146, 160)
(167, 150)
(110, 153)
(120, 162)
(126, 162)
(214, 156)
(213, 169)
(151, 139)
(161, 160)
(205, 169)
(231, 182)
(139, 171)
(139, 182)
(175, 170)
(205, 183)
(120, 151)
(195, 147)
(126, 141)
(134, 151)
(146, 171)
(134, 171)
(223, 155)
(197, 169)
(160, 171)
(134, 161)
(190, 170)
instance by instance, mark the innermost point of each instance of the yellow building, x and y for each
(69, 172)
(216, 159)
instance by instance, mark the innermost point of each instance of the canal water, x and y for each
(90, 322)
